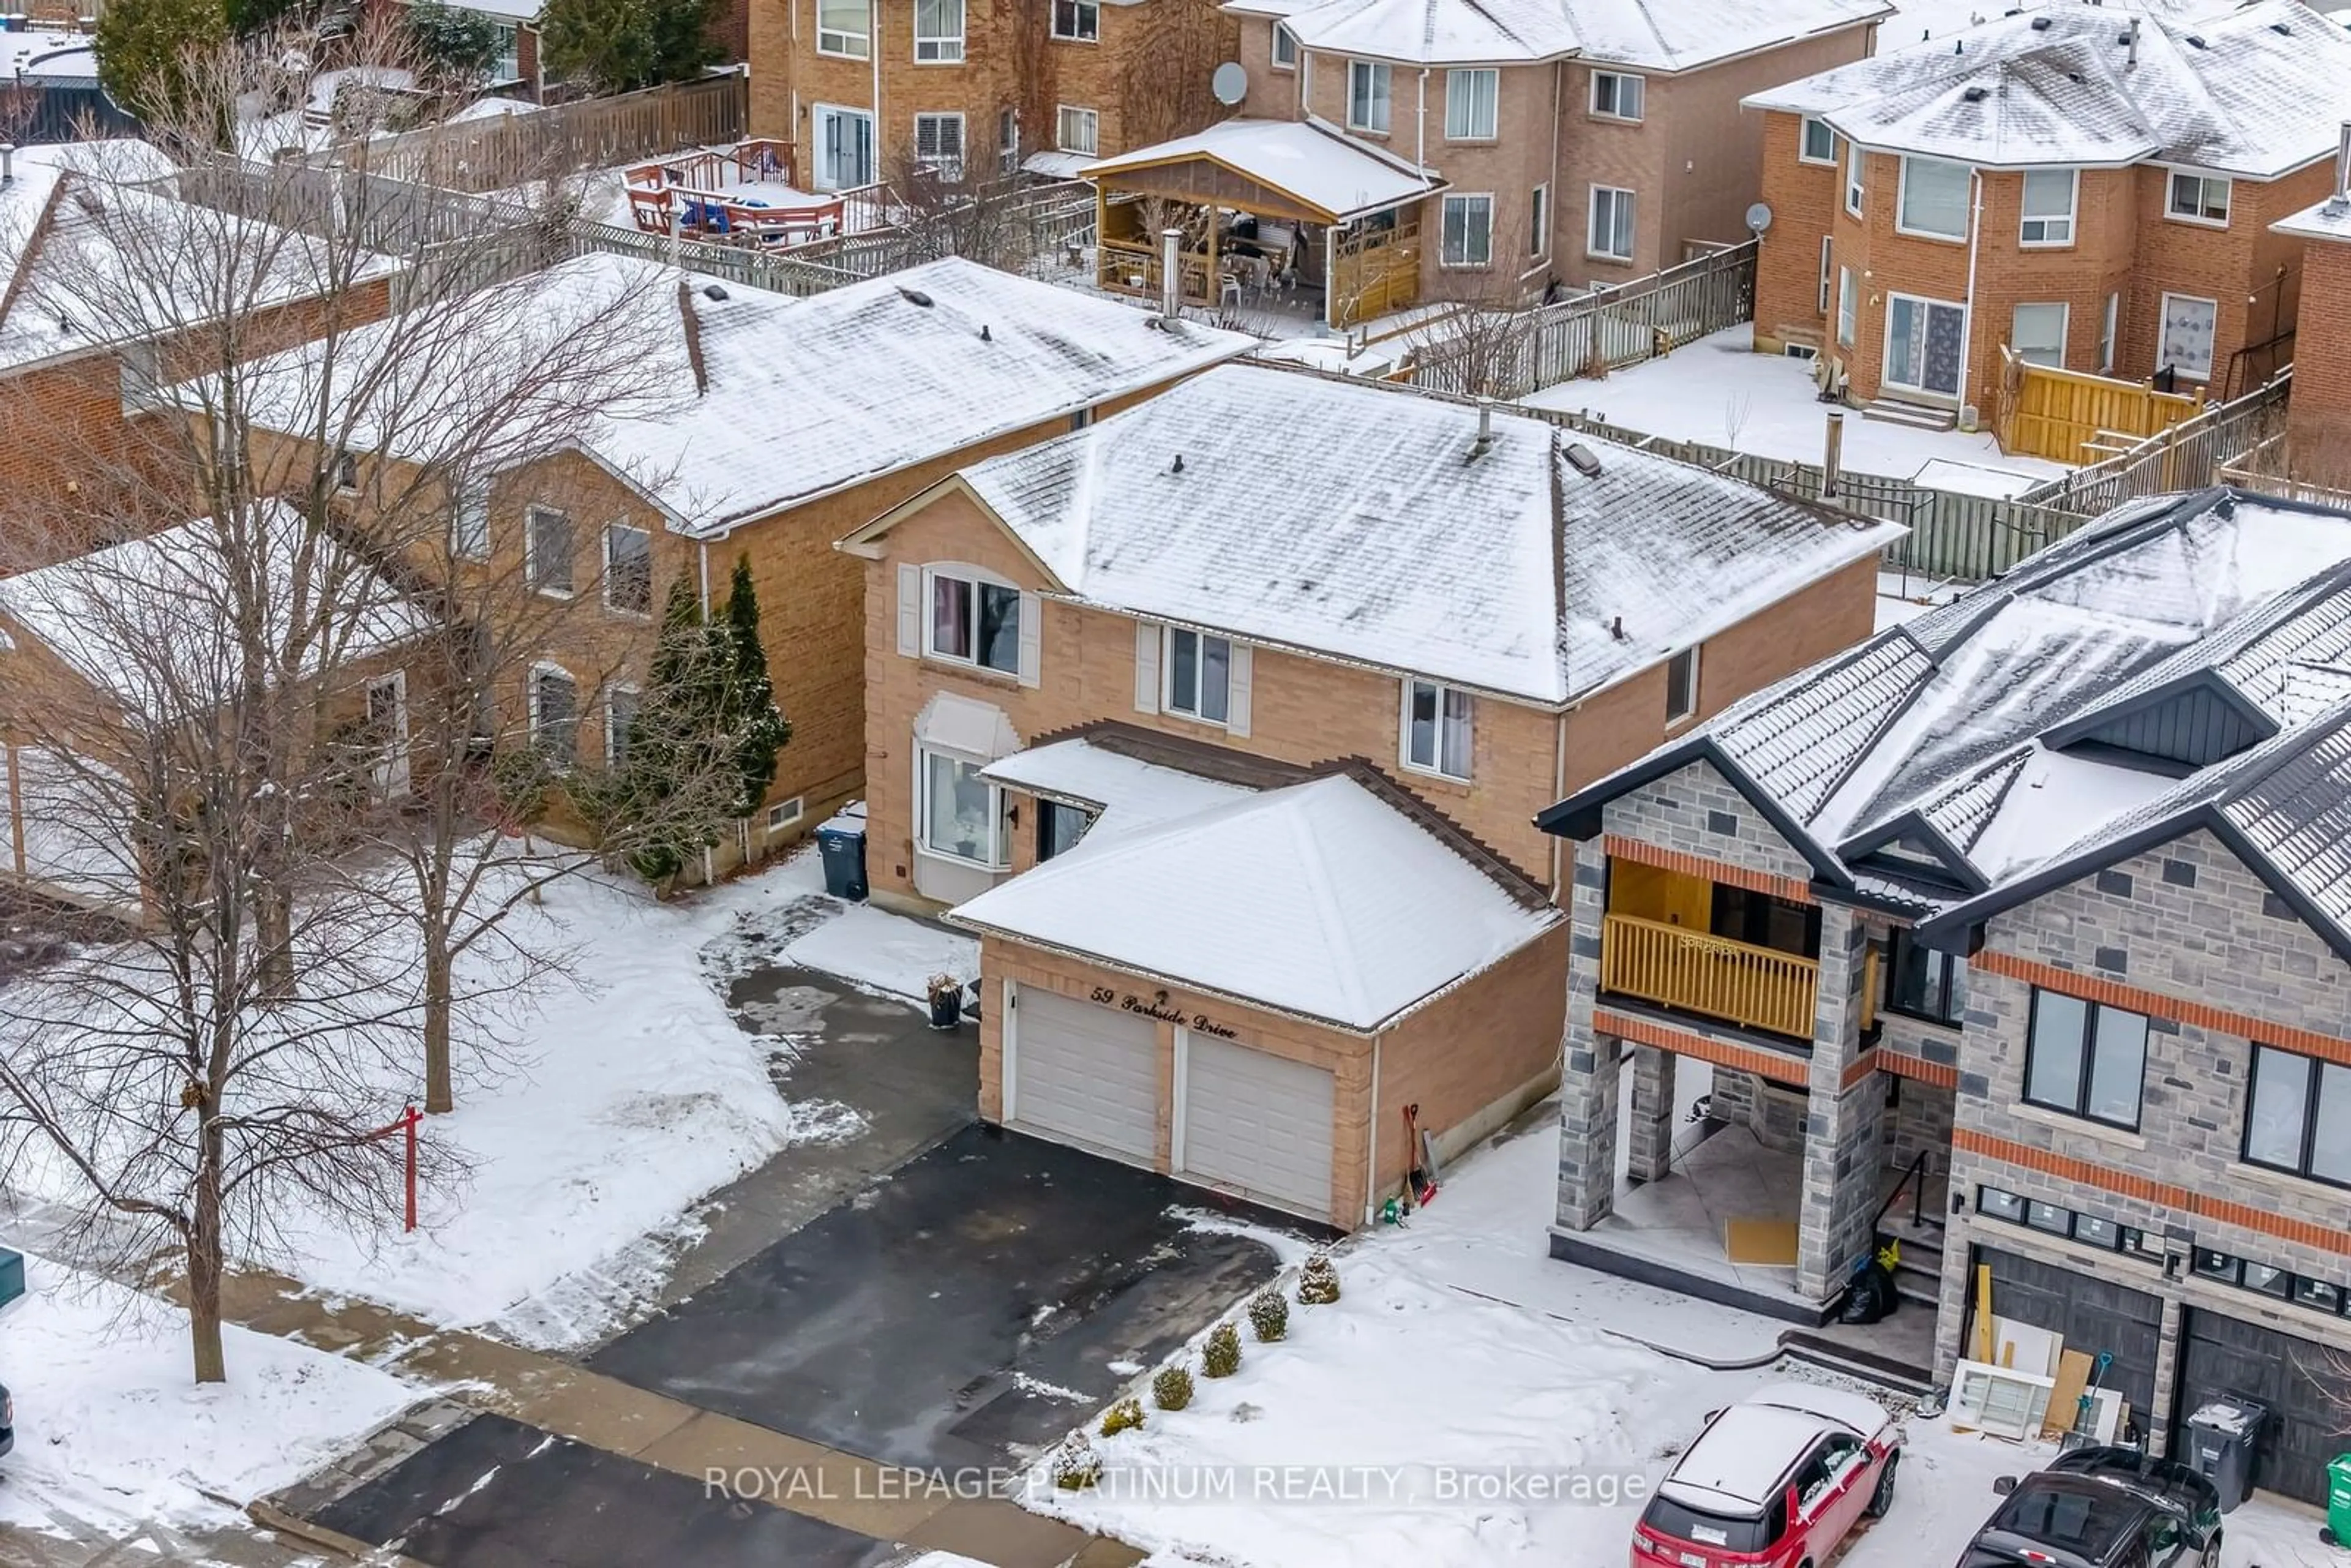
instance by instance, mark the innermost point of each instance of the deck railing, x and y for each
(1675, 967)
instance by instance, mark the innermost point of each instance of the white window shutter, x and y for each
(1032, 614)
(1146, 666)
(910, 610)
(1237, 691)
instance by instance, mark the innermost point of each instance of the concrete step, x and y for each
(1918, 416)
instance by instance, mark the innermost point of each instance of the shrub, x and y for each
(1172, 1389)
(1074, 1465)
(1318, 1283)
(1221, 1356)
(1124, 1415)
(1269, 1314)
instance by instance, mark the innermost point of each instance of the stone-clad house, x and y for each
(2046, 886)
(1134, 695)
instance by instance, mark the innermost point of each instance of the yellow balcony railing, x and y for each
(1675, 967)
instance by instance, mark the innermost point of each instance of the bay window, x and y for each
(960, 815)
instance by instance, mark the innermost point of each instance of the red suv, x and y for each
(1777, 1481)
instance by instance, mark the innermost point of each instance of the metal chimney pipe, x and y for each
(1171, 272)
(2132, 60)
(1485, 422)
(1833, 459)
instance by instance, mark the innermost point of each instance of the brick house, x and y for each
(1266, 579)
(2318, 414)
(2096, 193)
(2039, 888)
(773, 426)
(858, 85)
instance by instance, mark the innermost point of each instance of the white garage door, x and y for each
(77, 837)
(1258, 1124)
(1084, 1074)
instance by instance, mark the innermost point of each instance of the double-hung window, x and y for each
(974, 622)
(1199, 676)
(1472, 105)
(2085, 1059)
(1818, 142)
(1926, 984)
(548, 551)
(554, 714)
(1076, 20)
(1076, 129)
(961, 815)
(1367, 96)
(2049, 199)
(1611, 223)
(938, 32)
(2298, 1115)
(1437, 736)
(1616, 96)
(1934, 198)
(844, 28)
(2199, 199)
(1469, 232)
(628, 570)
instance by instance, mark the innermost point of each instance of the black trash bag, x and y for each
(1873, 1295)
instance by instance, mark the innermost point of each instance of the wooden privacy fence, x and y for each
(2189, 456)
(499, 151)
(2070, 416)
(1590, 334)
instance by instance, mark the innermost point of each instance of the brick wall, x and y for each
(2318, 416)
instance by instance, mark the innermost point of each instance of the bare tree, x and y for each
(1484, 345)
(958, 204)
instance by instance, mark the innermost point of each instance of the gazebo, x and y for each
(1279, 210)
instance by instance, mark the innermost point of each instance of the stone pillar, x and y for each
(1843, 1136)
(1957, 1288)
(1651, 1135)
(1587, 1089)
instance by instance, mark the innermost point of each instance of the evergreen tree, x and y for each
(759, 726)
(143, 47)
(679, 733)
(622, 45)
(462, 44)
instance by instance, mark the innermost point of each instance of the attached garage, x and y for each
(2092, 1313)
(1081, 1074)
(2222, 1355)
(1256, 1122)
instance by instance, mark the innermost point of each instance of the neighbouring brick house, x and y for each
(771, 427)
(1365, 605)
(2094, 190)
(2047, 884)
(858, 86)
(1581, 142)
(2318, 414)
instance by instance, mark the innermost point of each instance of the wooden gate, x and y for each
(2068, 417)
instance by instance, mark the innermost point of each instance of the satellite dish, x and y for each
(1230, 83)
(1759, 218)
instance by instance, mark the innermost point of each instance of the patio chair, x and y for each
(1228, 289)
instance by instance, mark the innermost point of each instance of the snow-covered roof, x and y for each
(2179, 663)
(1650, 33)
(2328, 220)
(748, 402)
(1309, 159)
(142, 620)
(1128, 792)
(46, 53)
(1331, 904)
(2255, 92)
(1362, 522)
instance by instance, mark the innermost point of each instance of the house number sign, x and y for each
(1155, 1007)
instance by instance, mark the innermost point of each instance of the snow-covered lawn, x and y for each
(1720, 391)
(883, 952)
(109, 1429)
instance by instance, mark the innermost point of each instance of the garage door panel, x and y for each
(1085, 1074)
(2221, 1355)
(1259, 1123)
(2090, 1313)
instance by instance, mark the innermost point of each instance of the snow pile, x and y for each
(887, 953)
(109, 1425)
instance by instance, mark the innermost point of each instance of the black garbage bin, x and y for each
(2224, 1441)
(841, 842)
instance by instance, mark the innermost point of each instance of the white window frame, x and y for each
(1804, 136)
(1065, 115)
(1848, 327)
(531, 516)
(973, 581)
(1471, 89)
(819, 115)
(647, 535)
(943, 48)
(2110, 322)
(2056, 232)
(845, 46)
(611, 729)
(1435, 767)
(2065, 328)
(1592, 223)
(347, 474)
(1007, 139)
(948, 164)
(1927, 304)
(1085, 17)
(1469, 201)
(1371, 72)
(1856, 180)
(2162, 333)
(1902, 224)
(1687, 660)
(1167, 693)
(2204, 184)
(785, 814)
(1539, 221)
(1624, 80)
(1282, 55)
(538, 721)
(1828, 270)
(995, 854)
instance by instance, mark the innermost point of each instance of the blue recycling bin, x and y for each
(12, 1276)
(841, 843)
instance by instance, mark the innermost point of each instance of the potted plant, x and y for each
(946, 1002)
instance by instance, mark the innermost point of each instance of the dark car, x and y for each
(2103, 1508)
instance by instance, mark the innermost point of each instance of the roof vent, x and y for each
(1616, 628)
(1582, 460)
(1485, 442)
(1178, 467)
(712, 292)
(914, 297)
(1976, 94)
(2280, 29)
(983, 333)
(2195, 40)
(2074, 77)
(2040, 23)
